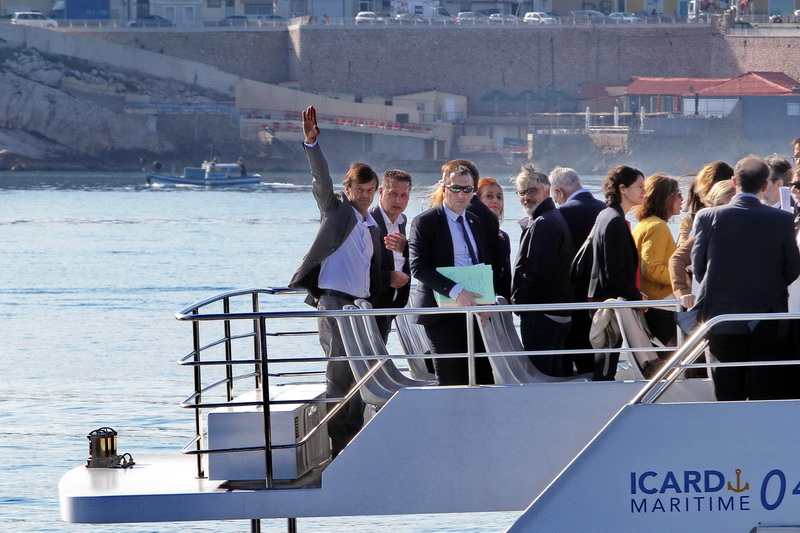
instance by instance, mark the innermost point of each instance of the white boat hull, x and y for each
(717, 466)
(429, 450)
(170, 180)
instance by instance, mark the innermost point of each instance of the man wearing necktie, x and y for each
(447, 235)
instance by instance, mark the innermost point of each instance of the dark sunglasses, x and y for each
(459, 188)
(795, 185)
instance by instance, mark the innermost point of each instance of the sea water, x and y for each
(93, 267)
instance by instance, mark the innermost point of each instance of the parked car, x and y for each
(503, 18)
(369, 17)
(270, 20)
(233, 20)
(588, 15)
(151, 21)
(624, 18)
(538, 17)
(410, 18)
(471, 17)
(33, 18)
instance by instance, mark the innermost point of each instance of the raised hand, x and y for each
(310, 128)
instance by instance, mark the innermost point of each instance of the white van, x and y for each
(32, 18)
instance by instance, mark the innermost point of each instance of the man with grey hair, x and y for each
(541, 272)
(579, 208)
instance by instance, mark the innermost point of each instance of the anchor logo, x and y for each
(739, 487)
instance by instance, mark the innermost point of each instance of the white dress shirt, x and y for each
(461, 255)
(347, 269)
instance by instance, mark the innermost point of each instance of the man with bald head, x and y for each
(745, 256)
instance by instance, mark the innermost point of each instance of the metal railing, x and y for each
(243, 321)
(685, 357)
(253, 23)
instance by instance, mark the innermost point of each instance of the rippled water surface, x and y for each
(92, 269)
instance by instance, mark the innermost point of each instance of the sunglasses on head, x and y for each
(460, 188)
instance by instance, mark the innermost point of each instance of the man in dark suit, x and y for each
(745, 257)
(448, 235)
(343, 264)
(393, 196)
(579, 208)
(491, 230)
(541, 273)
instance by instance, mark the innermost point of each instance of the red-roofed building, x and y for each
(753, 84)
(763, 97)
(764, 106)
(664, 95)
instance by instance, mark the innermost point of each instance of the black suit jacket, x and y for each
(744, 256)
(337, 221)
(386, 298)
(581, 213)
(541, 273)
(616, 259)
(431, 246)
(498, 257)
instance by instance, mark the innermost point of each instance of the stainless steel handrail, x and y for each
(690, 350)
(261, 362)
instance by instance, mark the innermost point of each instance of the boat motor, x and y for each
(103, 450)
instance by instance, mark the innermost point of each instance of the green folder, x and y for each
(475, 278)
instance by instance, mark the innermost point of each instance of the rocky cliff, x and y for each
(57, 112)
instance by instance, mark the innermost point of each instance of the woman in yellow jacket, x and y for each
(655, 244)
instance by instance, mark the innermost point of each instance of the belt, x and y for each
(340, 294)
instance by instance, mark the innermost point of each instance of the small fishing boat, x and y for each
(210, 174)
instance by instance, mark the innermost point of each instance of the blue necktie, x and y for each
(472, 255)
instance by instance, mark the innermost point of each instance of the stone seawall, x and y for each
(387, 60)
(476, 60)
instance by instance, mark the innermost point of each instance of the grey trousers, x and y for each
(344, 426)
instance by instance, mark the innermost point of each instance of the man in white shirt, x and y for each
(342, 265)
(394, 193)
(444, 236)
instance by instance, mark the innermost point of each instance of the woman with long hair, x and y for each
(699, 189)
(615, 263)
(490, 193)
(655, 244)
(681, 260)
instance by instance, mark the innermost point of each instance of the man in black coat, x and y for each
(541, 272)
(444, 236)
(580, 209)
(394, 193)
(491, 230)
(745, 256)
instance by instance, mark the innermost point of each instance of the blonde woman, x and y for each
(491, 194)
(703, 182)
(681, 261)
